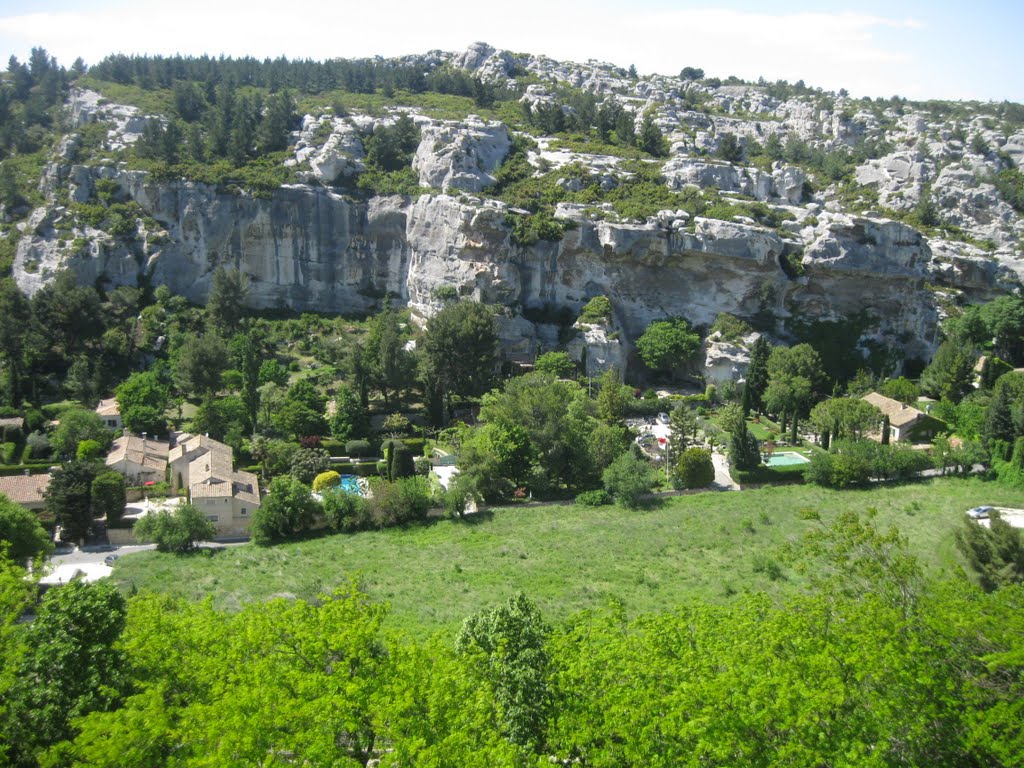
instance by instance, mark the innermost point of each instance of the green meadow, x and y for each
(705, 546)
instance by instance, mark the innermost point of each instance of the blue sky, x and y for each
(916, 49)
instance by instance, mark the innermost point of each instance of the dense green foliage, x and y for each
(22, 538)
(865, 653)
(693, 469)
(629, 479)
(179, 530)
(667, 345)
(856, 462)
(70, 667)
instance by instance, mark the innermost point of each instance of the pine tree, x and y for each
(650, 139)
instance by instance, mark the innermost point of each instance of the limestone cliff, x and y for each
(308, 248)
(311, 246)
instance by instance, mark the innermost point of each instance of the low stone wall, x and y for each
(121, 537)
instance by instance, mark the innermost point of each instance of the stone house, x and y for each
(202, 468)
(26, 490)
(906, 424)
(110, 412)
(139, 459)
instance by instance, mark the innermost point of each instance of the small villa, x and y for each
(110, 412)
(26, 490)
(906, 424)
(202, 468)
(139, 459)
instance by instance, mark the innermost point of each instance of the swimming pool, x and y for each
(785, 459)
(350, 484)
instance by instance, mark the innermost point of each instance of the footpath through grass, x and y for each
(707, 546)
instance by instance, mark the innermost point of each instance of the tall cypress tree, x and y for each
(999, 424)
(757, 372)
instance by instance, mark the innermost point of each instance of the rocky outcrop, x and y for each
(341, 155)
(309, 248)
(598, 348)
(462, 155)
(726, 360)
(784, 184)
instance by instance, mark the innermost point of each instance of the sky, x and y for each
(917, 49)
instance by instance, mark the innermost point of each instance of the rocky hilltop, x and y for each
(832, 243)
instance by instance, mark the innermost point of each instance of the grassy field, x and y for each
(698, 547)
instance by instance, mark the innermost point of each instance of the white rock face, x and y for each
(460, 155)
(127, 122)
(898, 175)
(340, 155)
(486, 61)
(785, 183)
(726, 360)
(306, 247)
(599, 348)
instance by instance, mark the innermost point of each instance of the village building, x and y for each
(141, 460)
(110, 412)
(26, 490)
(201, 468)
(906, 424)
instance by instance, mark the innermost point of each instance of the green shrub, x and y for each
(597, 310)
(791, 473)
(598, 498)
(346, 511)
(730, 327)
(628, 479)
(35, 468)
(694, 469)
(768, 566)
(402, 501)
(7, 452)
(357, 448)
(325, 480)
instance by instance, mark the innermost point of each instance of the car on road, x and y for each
(980, 513)
(110, 559)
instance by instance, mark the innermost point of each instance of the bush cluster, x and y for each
(861, 461)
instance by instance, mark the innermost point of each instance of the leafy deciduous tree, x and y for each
(506, 648)
(460, 344)
(668, 344)
(179, 530)
(288, 509)
(628, 479)
(22, 538)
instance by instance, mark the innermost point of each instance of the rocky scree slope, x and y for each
(839, 249)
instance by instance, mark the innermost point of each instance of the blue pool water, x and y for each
(350, 484)
(785, 459)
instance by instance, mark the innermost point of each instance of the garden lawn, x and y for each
(568, 558)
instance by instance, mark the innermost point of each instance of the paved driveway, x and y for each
(723, 480)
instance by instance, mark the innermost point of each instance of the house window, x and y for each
(244, 512)
(212, 518)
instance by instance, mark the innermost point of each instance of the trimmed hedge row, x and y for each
(790, 473)
(34, 468)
